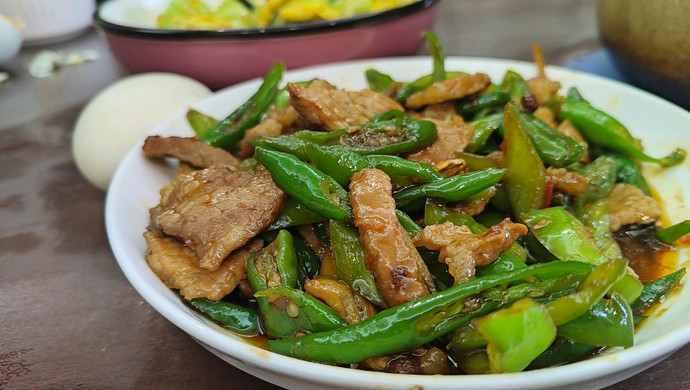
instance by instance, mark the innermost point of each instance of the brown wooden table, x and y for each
(68, 317)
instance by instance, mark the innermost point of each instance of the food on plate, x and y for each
(237, 14)
(452, 224)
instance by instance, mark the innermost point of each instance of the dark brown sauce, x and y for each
(648, 257)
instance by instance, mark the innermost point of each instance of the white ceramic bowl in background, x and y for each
(134, 190)
(49, 21)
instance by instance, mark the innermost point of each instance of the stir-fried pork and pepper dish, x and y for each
(451, 224)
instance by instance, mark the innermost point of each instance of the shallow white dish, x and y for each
(662, 126)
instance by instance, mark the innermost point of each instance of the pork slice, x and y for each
(190, 150)
(400, 273)
(277, 122)
(462, 250)
(453, 135)
(451, 89)
(567, 181)
(215, 210)
(628, 205)
(339, 297)
(332, 109)
(178, 267)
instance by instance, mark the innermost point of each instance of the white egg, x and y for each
(10, 40)
(122, 114)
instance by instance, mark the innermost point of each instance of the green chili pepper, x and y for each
(200, 123)
(391, 136)
(574, 95)
(229, 131)
(309, 186)
(483, 128)
(568, 307)
(452, 188)
(525, 177)
(341, 163)
(608, 322)
(674, 232)
(294, 213)
(590, 291)
(476, 162)
(653, 291)
(349, 257)
(515, 85)
(412, 324)
(378, 81)
(560, 352)
(303, 312)
(296, 143)
(516, 335)
(554, 148)
(606, 170)
(595, 217)
(470, 105)
(308, 263)
(275, 265)
(567, 238)
(234, 317)
(602, 129)
(438, 73)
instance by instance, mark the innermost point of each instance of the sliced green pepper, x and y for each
(602, 129)
(341, 163)
(515, 85)
(516, 335)
(608, 322)
(234, 317)
(303, 313)
(568, 239)
(414, 323)
(308, 262)
(653, 291)
(674, 232)
(470, 105)
(554, 148)
(200, 123)
(452, 188)
(378, 82)
(483, 128)
(349, 257)
(525, 177)
(229, 131)
(309, 186)
(294, 213)
(562, 351)
(595, 216)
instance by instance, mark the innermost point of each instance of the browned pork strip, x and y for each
(450, 89)
(323, 105)
(390, 255)
(277, 122)
(543, 88)
(421, 361)
(567, 181)
(628, 205)
(215, 210)
(339, 297)
(190, 150)
(453, 135)
(463, 251)
(178, 267)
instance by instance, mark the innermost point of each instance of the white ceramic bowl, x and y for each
(134, 190)
(48, 21)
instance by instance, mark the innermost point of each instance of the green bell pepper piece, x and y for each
(199, 122)
(516, 335)
(672, 233)
(608, 322)
(525, 177)
(653, 291)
